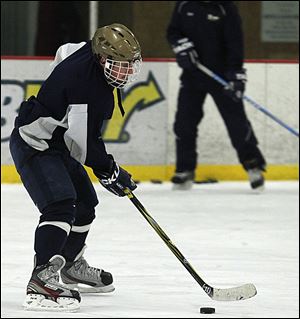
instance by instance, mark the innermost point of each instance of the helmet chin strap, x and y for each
(120, 102)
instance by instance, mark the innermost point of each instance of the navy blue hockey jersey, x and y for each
(68, 112)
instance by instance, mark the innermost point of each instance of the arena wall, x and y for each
(143, 141)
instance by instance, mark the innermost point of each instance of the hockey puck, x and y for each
(207, 310)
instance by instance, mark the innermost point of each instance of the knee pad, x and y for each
(62, 211)
(84, 214)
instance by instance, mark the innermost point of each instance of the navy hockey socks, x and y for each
(49, 241)
(74, 245)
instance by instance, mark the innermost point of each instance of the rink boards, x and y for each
(143, 141)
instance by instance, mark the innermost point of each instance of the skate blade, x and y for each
(183, 187)
(82, 288)
(38, 302)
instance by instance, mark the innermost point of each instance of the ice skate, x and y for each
(256, 179)
(45, 293)
(183, 180)
(78, 274)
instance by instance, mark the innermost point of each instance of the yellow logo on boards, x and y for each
(136, 98)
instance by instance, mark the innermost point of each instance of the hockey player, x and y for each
(55, 134)
(211, 32)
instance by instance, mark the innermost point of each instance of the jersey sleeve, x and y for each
(83, 137)
(234, 40)
(174, 28)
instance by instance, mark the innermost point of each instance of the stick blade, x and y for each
(237, 293)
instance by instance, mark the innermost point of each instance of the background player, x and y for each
(211, 32)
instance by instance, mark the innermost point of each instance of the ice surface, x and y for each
(228, 234)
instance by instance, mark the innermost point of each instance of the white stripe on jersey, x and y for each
(76, 135)
(64, 51)
(42, 128)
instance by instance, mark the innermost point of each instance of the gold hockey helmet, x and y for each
(122, 51)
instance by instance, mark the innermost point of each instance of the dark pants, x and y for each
(62, 191)
(190, 113)
(51, 176)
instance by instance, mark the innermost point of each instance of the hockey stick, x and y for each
(246, 98)
(220, 294)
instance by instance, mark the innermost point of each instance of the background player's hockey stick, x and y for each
(246, 98)
(220, 294)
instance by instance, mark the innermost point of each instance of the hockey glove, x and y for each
(117, 180)
(186, 55)
(236, 84)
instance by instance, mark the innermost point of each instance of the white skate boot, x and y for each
(78, 274)
(45, 293)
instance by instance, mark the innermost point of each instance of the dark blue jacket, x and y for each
(215, 29)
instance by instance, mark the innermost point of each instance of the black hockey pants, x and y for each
(189, 114)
